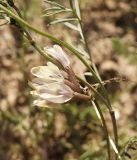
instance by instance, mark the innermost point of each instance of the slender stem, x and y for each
(85, 41)
(17, 10)
(115, 131)
(88, 50)
(112, 114)
(112, 80)
(81, 96)
(71, 3)
(93, 89)
(83, 35)
(113, 118)
(86, 45)
(45, 55)
(95, 103)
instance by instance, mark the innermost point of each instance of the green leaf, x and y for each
(53, 13)
(52, 9)
(62, 20)
(55, 10)
(54, 3)
(77, 7)
(71, 26)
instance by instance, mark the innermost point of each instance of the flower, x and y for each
(49, 73)
(57, 53)
(49, 85)
(57, 92)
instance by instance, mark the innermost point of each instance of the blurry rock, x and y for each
(12, 96)
(7, 62)
(126, 69)
(127, 104)
(124, 6)
(6, 41)
(3, 104)
(60, 124)
(109, 28)
(101, 50)
(111, 4)
(108, 65)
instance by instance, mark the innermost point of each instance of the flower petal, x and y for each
(54, 98)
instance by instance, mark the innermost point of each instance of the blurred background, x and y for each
(69, 131)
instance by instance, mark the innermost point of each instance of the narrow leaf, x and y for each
(71, 26)
(53, 13)
(76, 4)
(97, 112)
(54, 3)
(114, 147)
(52, 9)
(63, 20)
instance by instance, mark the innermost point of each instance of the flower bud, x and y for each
(57, 53)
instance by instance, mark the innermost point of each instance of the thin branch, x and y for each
(102, 119)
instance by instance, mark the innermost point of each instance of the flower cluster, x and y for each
(52, 84)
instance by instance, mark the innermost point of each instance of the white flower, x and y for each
(49, 85)
(56, 92)
(49, 74)
(57, 53)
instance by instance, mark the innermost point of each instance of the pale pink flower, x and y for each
(49, 85)
(49, 73)
(56, 92)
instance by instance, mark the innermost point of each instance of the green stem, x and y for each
(88, 50)
(46, 55)
(104, 127)
(82, 33)
(113, 118)
(112, 114)
(93, 89)
(71, 3)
